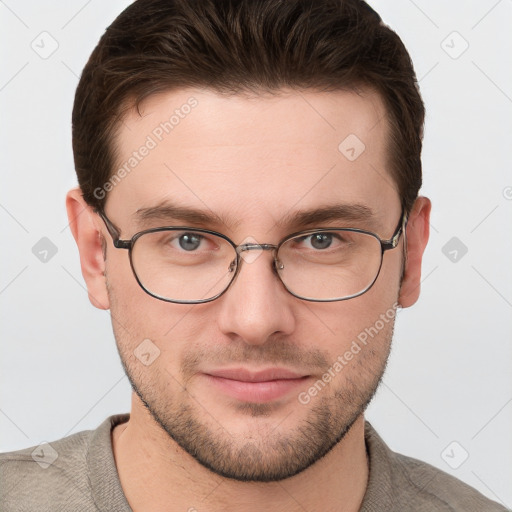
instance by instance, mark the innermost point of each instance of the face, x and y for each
(257, 384)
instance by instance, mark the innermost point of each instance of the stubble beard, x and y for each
(269, 455)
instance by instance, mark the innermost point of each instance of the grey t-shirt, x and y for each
(78, 473)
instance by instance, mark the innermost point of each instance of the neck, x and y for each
(156, 474)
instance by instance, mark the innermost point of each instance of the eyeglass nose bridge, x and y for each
(257, 247)
(254, 247)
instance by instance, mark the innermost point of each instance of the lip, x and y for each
(255, 386)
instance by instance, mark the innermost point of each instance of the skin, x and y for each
(251, 161)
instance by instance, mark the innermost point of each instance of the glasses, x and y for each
(191, 266)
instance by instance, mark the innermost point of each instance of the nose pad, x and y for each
(259, 249)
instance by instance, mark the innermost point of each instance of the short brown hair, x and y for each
(237, 46)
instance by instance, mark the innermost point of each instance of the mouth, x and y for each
(256, 386)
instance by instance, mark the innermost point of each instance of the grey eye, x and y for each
(321, 240)
(190, 241)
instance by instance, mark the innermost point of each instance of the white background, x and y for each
(449, 377)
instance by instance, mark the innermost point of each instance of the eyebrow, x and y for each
(346, 212)
(166, 211)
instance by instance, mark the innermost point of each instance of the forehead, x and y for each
(253, 159)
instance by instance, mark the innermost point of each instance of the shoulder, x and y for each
(55, 475)
(411, 484)
(427, 484)
(39, 477)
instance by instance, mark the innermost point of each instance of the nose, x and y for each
(256, 305)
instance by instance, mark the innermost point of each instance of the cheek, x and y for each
(119, 273)
(362, 319)
(145, 325)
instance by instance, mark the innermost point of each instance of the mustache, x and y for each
(276, 352)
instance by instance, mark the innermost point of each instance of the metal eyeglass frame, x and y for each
(386, 245)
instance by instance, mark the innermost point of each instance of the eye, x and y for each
(322, 240)
(190, 241)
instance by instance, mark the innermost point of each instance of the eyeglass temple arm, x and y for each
(401, 227)
(114, 232)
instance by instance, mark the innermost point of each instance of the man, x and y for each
(248, 209)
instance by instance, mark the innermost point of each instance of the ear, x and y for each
(417, 233)
(85, 226)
